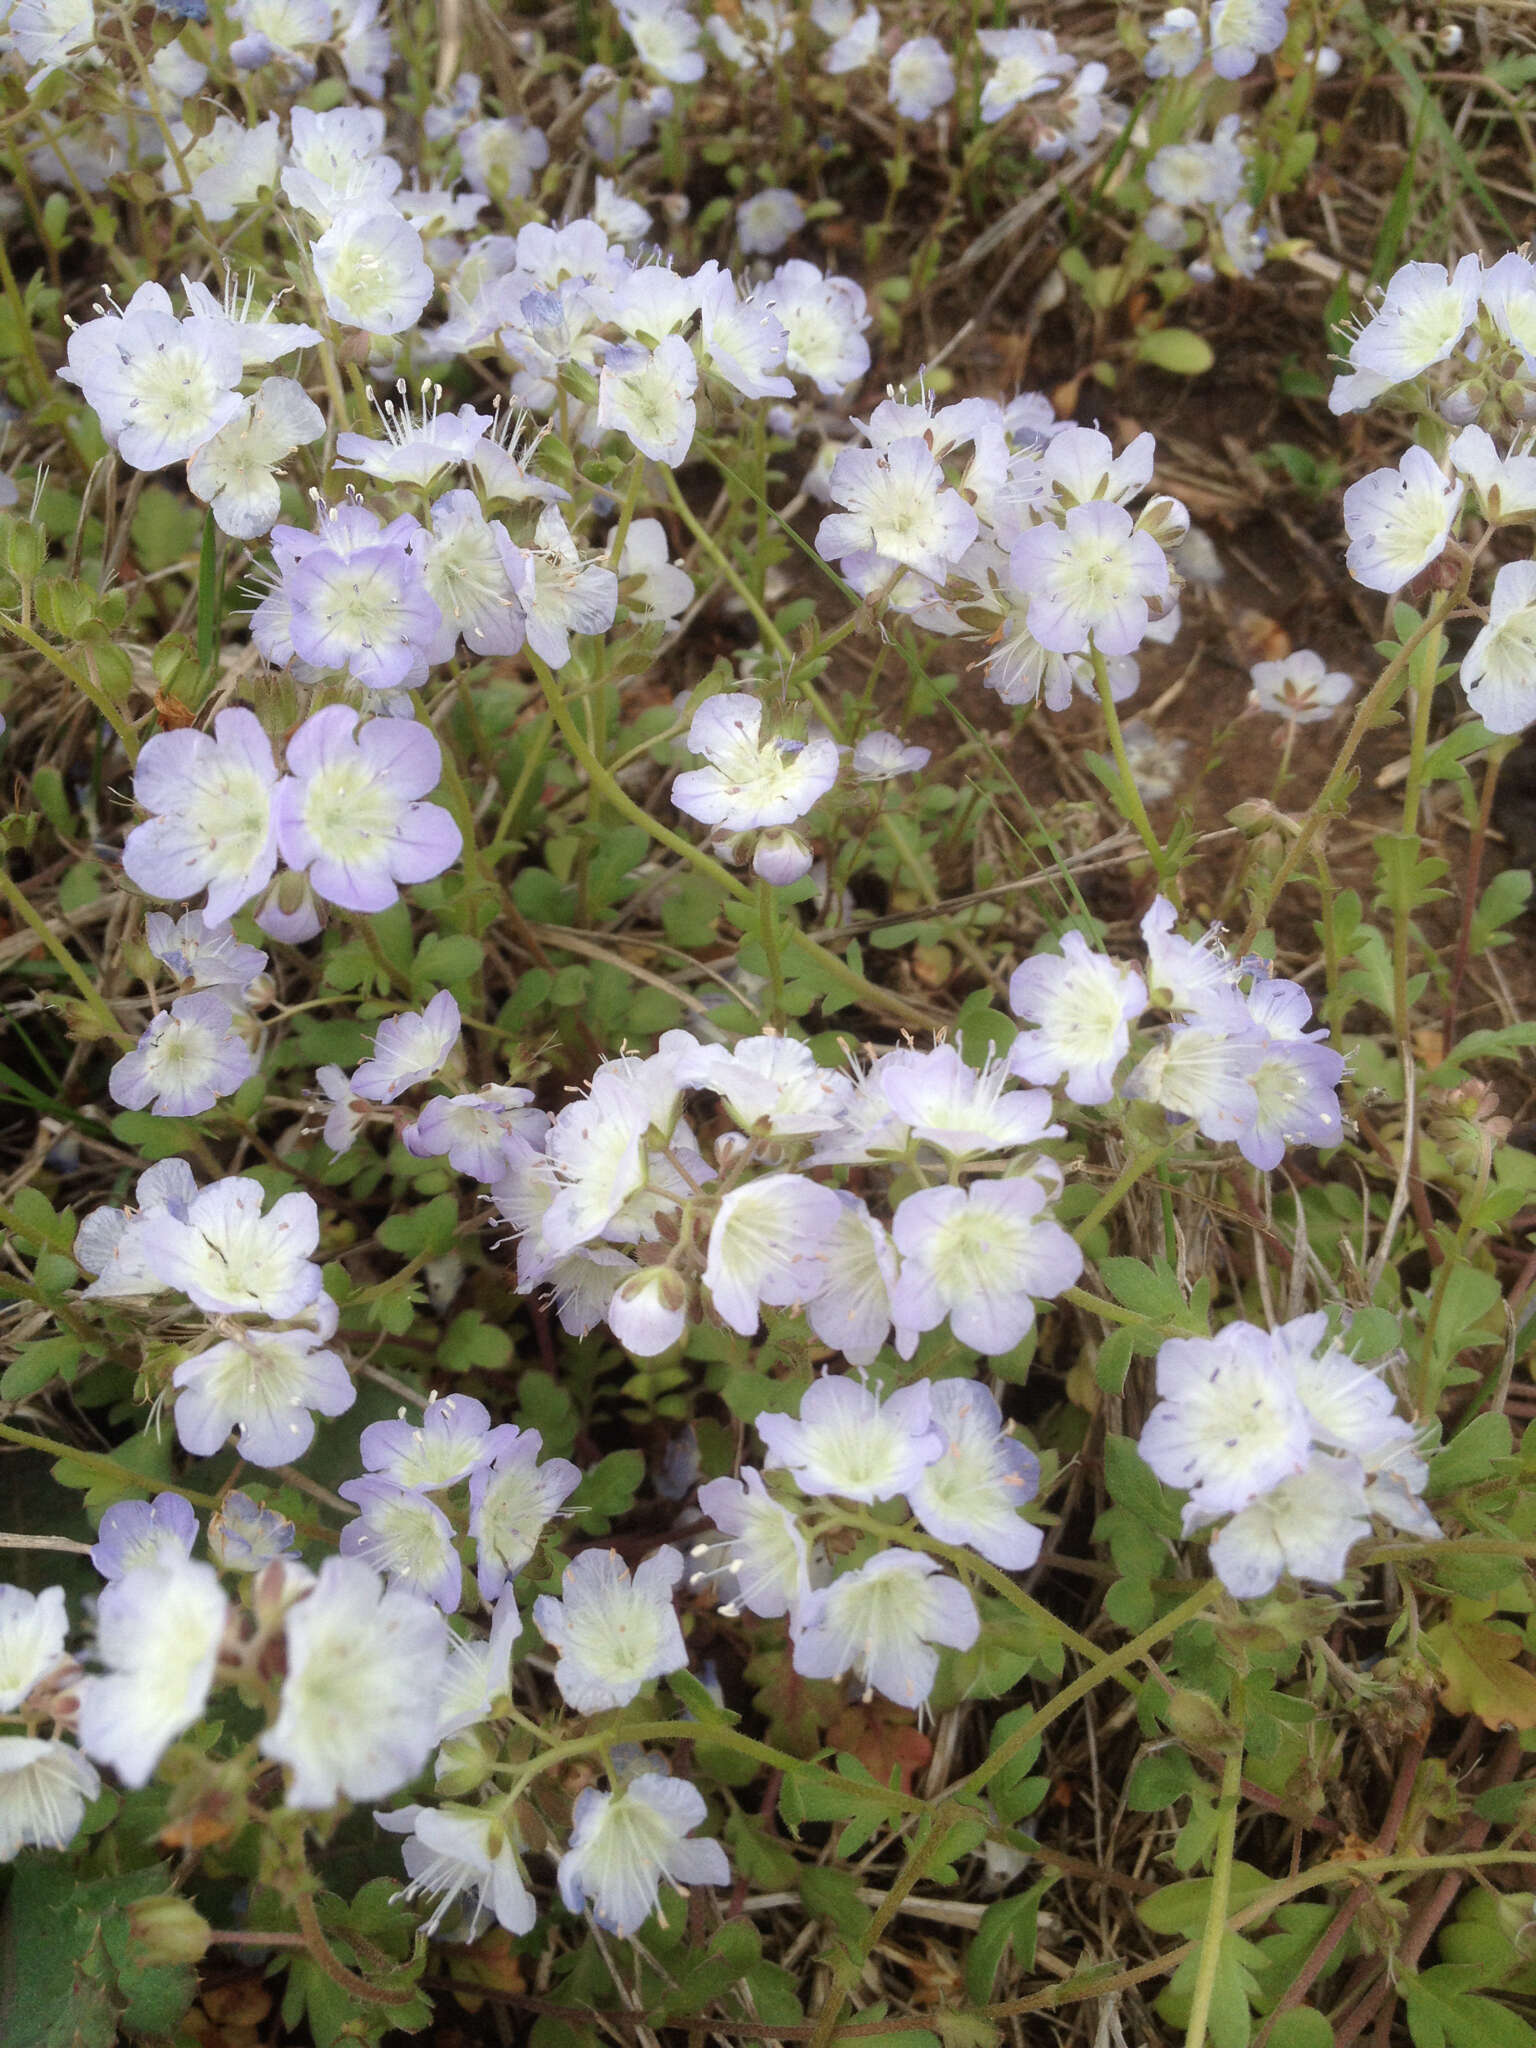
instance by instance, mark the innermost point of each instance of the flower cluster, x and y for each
(1454, 348)
(1286, 1434)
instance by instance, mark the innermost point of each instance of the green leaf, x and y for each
(36, 1366)
(1444, 2010)
(1177, 349)
(610, 1487)
(1135, 1486)
(1007, 1923)
(424, 1232)
(1470, 1455)
(471, 1344)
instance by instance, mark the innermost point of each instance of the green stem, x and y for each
(1215, 1930)
(832, 964)
(768, 932)
(89, 993)
(1371, 704)
(1132, 806)
(86, 685)
(1134, 1169)
(107, 1468)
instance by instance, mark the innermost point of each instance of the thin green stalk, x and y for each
(1135, 1168)
(89, 993)
(107, 1468)
(86, 685)
(1371, 704)
(1130, 796)
(768, 932)
(831, 964)
(1215, 1930)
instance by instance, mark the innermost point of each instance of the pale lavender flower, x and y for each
(1399, 520)
(229, 1259)
(361, 610)
(766, 220)
(1301, 689)
(206, 955)
(765, 1552)
(848, 1442)
(648, 1311)
(452, 1439)
(879, 756)
(1306, 1524)
(614, 1633)
(212, 823)
(511, 1502)
(1229, 1423)
(961, 1110)
(1297, 1079)
(475, 575)
(564, 594)
(408, 1049)
(350, 815)
(1183, 974)
(1242, 31)
(403, 1534)
(881, 1623)
(159, 386)
(922, 78)
(973, 1491)
(347, 1112)
(480, 1133)
(136, 1532)
(1205, 1070)
(268, 1385)
(246, 1537)
(358, 1713)
(371, 269)
(186, 1060)
(1080, 1005)
(851, 1307)
(751, 781)
(1498, 671)
(108, 1240)
(824, 320)
(623, 1844)
(980, 1256)
(647, 394)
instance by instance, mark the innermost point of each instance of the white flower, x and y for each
(848, 1442)
(337, 161)
(764, 1245)
(358, 1714)
(1301, 689)
(898, 507)
(229, 167)
(456, 1852)
(854, 45)
(922, 78)
(1421, 319)
(32, 1631)
(1229, 1424)
(229, 1259)
(45, 1788)
(1183, 974)
(751, 781)
(234, 473)
(371, 271)
(824, 319)
(665, 37)
(263, 1383)
(52, 34)
(648, 1311)
(851, 1309)
(1026, 63)
(979, 1255)
(107, 1242)
(961, 1110)
(1508, 296)
(1081, 1005)
(765, 1552)
(1504, 486)
(503, 156)
(1498, 671)
(564, 594)
(188, 1057)
(1398, 520)
(881, 1621)
(1176, 44)
(766, 220)
(880, 756)
(159, 1628)
(1205, 1070)
(1242, 31)
(476, 576)
(648, 395)
(614, 1632)
(160, 386)
(660, 590)
(770, 1085)
(1305, 1525)
(1091, 579)
(624, 1843)
(511, 1501)
(973, 1491)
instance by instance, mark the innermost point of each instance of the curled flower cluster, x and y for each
(1288, 1436)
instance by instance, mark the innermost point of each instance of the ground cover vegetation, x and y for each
(767, 1169)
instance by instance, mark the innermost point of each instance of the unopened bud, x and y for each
(26, 550)
(464, 1764)
(167, 1931)
(781, 856)
(1166, 520)
(579, 382)
(1448, 40)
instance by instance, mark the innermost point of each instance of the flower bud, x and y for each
(649, 1312)
(166, 1931)
(290, 909)
(781, 856)
(26, 550)
(1166, 520)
